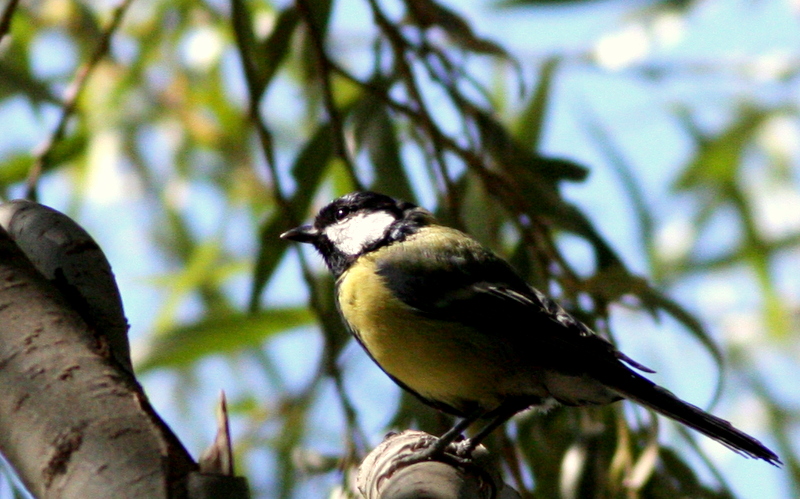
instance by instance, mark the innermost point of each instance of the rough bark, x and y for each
(73, 421)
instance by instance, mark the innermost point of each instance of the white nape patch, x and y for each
(354, 233)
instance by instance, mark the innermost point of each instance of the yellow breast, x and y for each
(441, 360)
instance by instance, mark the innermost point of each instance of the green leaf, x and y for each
(530, 123)
(308, 169)
(67, 149)
(255, 70)
(310, 164)
(375, 131)
(570, 218)
(16, 79)
(185, 345)
(630, 183)
(202, 261)
(270, 252)
(676, 478)
(15, 168)
(560, 168)
(428, 13)
(320, 14)
(15, 65)
(276, 47)
(523, 164)
(718, 160)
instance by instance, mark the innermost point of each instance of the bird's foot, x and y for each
(435, 449)
(464, 448)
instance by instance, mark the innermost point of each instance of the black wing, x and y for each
(468, 284)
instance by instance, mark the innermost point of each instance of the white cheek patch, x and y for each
(353, 234)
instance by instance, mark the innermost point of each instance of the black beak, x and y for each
(302, 234)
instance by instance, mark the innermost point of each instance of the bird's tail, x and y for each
(632, 386)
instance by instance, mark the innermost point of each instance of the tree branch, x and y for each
(74, 422)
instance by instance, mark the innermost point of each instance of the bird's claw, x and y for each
(464, 448)
(455, 454)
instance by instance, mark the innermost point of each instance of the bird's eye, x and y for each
(341, 213)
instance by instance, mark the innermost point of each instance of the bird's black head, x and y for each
(358, 223)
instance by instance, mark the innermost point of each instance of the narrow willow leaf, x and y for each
(718, 159)
(252, 61)
(428, 13)
(375, 131)
(310, 165)
(630, 183)
(308, 169)
(16, 79)
(185, 345)
(520, 162)
(201, 262)
(275, 48)
(270, 252)
(320, 14)
(15, 168)
(572, 219)
(530, 123)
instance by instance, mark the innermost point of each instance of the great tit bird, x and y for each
(451, 322)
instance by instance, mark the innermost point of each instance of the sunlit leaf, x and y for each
(252, 60)
(15, 168)
(200, 266)
(718, 159)
(275, 48)
(184, 345)
(530, 123)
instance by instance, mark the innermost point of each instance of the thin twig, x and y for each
(327, 364)
(399, 46)
(324, 70)
(496, 184)
(262, 132)
(71, 95)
